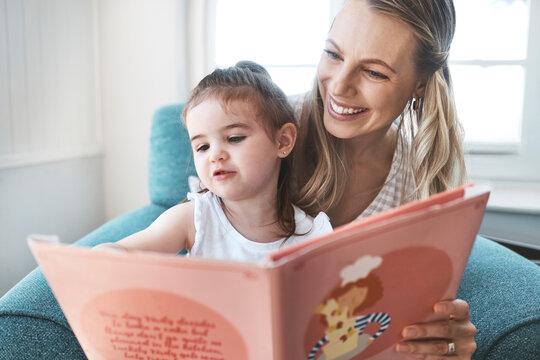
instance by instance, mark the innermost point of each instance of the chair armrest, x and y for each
(32, 325)
(502, 289)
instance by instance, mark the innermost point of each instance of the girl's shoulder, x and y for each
(180, 213)
(174, 225)
(203, 200)
(314, 226)
(197, 196)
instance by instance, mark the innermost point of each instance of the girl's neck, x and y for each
(255, 219)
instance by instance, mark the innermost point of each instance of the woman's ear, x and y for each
(420, 88)
(286, 138)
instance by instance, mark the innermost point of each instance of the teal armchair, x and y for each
(501, 287)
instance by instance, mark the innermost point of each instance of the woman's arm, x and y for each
(430, 340)
(171, 232)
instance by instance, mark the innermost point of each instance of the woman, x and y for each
(380, 129)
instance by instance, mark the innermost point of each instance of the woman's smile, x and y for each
(342, 111)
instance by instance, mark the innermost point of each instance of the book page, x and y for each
(379, 218)
(152, 306)
(351, 296)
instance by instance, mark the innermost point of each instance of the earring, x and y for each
(416, 103)
(284, 153)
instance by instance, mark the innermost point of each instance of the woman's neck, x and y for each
(370, 160)
(374, 150)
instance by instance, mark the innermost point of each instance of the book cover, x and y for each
(345, 295)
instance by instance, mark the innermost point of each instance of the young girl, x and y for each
(242, 132)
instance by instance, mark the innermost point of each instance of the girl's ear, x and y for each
(286, 138)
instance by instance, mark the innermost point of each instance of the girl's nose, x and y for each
(218, 154)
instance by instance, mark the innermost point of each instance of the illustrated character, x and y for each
(341, 312)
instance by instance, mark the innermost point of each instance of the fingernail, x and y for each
(409, 332)
(440, 308)
(403, 348)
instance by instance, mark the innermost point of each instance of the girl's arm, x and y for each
(171, 232)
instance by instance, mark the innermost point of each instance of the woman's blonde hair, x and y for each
(431, 126)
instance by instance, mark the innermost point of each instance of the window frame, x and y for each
(505, 165)
(521, 163)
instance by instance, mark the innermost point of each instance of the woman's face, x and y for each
(366, 73)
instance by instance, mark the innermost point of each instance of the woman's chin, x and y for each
(339, 129)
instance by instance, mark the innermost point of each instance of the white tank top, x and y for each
(215, 237)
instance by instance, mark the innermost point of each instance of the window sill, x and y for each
(514, 198)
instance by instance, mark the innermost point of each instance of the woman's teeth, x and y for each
(343, 110)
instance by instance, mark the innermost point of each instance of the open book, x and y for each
(345, 295)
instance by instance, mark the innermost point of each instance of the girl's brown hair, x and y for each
(250, 82)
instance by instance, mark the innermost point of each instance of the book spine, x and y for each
(276, 312)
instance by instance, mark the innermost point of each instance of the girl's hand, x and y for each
(111, 247)
(431, 340)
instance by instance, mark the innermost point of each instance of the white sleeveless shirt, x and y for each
(215, 237)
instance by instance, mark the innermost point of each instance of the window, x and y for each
(492, 62)
(287, 40)
(488, 63)
(497, 86)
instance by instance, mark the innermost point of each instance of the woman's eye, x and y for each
(376, 75)
(203, 147)
(333, 55)
(236, 139)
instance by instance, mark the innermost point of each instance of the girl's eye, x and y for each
(203, 147)
(236, 138)
(376, 75)
(333, 55)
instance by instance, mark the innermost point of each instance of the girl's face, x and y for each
(234, 156)
(366, 73)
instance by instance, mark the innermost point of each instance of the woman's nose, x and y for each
(344, 82)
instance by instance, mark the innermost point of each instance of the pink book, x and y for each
(345, 295)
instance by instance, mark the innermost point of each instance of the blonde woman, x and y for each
(379, 129)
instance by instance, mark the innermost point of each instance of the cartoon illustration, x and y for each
(341, 312)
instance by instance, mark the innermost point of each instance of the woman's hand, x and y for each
(433, 340)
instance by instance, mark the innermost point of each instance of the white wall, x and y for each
(143, 67)
(79, 82)
(63, 197)
(48, 99)
(51, 172)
